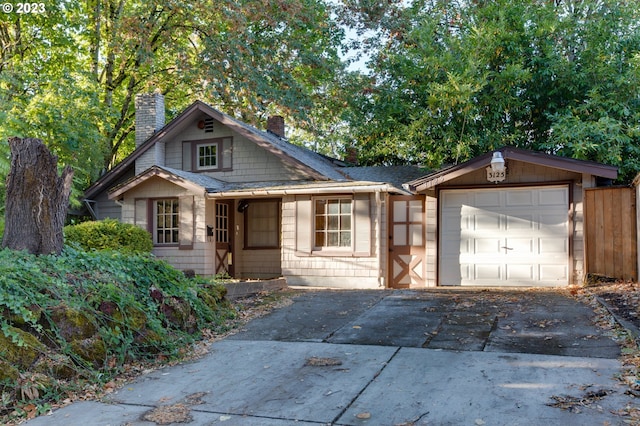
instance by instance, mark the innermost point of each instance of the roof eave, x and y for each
(153, 171)
(510, 153)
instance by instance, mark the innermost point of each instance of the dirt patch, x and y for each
(168, 414)
(322, 362)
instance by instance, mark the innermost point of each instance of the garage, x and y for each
(508, 218)
(513, 236)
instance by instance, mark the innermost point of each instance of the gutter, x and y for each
(301, 191)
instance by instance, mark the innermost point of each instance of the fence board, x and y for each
(610, 232)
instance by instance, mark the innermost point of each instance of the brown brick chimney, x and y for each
(149, 115)
(275, 125)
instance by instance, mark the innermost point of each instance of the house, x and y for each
(221, 197)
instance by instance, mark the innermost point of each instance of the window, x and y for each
(262, 224)
(167, 221)
(207, 156)
(333, 223)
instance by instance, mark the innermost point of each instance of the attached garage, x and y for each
(521, 225)
(512, 236)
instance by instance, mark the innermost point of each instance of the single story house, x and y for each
(221, 197)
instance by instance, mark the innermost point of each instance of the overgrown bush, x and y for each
(109, 234)
(84, 315)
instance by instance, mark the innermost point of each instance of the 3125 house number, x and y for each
(494, 176)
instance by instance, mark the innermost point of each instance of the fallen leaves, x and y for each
(576, 404)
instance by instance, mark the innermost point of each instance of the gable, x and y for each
(476, 167)
(202, 122)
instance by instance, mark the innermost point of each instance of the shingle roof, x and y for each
(395, 175)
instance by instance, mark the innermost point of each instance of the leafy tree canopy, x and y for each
(70, 75)
(452, 79)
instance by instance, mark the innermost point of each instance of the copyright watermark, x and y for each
(23, 8)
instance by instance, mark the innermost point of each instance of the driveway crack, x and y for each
(493, 328)
(375, 376)
(326, 338)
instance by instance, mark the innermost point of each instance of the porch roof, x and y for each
(214, 188)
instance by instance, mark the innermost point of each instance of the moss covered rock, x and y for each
(72, 324)
(8, 374)
(92, 350)
(178, 314)
(22, 352)
(212, 295)
(58, 366)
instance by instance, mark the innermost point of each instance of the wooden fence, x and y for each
(610, 232)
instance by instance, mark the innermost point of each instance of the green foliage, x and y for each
(109, 234)
(70, 76)
(94, 311)
(451, 80)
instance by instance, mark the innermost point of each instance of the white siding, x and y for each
(341, 271)
(200, 258)
(250, 162)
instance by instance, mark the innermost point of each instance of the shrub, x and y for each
(109, 234)
(84, 315)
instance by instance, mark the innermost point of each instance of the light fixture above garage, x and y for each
(497, 172)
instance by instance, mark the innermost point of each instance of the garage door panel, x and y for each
(554, 273)
(554, 245)
(518, 236)
(483, 246)
(486, 221)
(454, 275)
(524, 221)
(455, 198)
(553, 222)
(554, 197)
(520, 246)
(456, 222)
(520, 198)
(520, 272)
(491, 272)
(486, 199)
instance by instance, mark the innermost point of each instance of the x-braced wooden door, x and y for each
(406, 241)
(224, 238)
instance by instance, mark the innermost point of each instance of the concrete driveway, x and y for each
(388, 358)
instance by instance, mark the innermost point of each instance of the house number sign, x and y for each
(495, 175)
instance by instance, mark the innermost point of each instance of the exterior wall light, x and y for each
(497, 162)
(497, 172)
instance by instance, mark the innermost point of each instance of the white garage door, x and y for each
(504, 237)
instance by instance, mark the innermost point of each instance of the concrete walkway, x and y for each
(355, 358)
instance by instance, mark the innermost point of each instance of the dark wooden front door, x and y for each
(224, 238)
(406, 241)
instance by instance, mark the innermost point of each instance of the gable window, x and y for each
(167, 224)
(262, 224)
(207, 156)
(332, 223)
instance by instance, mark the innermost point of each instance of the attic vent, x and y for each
(208, 125)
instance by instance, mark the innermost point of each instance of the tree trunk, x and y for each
(37, 199)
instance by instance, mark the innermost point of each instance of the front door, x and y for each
(224, 238)
(406, 242)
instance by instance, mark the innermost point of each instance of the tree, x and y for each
(453, 79)
(37, 199)
(70, 76)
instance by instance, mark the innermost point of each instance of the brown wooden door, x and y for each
(406, 241)
(224, 238)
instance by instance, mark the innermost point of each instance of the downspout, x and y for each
(381, 282)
